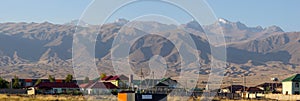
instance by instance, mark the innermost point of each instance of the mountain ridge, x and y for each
(51, 44)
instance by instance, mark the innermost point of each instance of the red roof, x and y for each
(86, 85)
(28, 80)
(107, 78)
(117, 77)
(58, 80)
(56, 85)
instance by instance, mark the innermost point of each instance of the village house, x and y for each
(160, 86)
(232, 89)
(290, 85)
(55, 88)
(252, 93)
(270, 87)
(98, 88)
(146, 83)
(165, 85)
(169, 82)
(120, 81)
(25, 83)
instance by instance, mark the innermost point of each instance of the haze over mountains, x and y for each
(47, 44)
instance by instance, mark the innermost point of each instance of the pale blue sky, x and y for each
(283, 13)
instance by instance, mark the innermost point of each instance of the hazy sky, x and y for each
(283, 13)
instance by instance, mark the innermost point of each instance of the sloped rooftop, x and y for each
(294, 78)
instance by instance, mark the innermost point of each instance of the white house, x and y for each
(290, 85)
(98, 88)
(252, 93)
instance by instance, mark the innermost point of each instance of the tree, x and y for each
(69, 78)
(102, 75)
(16, 84)
(86, 80)
(3, 83)
(38, 82)
(268, 90)
(51, 79)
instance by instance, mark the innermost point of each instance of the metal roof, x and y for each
(294, 78)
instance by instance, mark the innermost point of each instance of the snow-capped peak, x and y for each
(223, 20)
(121, 21)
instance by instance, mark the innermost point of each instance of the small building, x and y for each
(57, 87)
(252, 93)
(99, 88)
(84, 87)
(272, 87)
(232, 89)
(291, 85)
(120, 81)
(231, 92)
(131, 96)
(165, 85)
(149, 83)
(146, 83)
(126, 96)
(169, 82)
(25, 83)
(31, 91)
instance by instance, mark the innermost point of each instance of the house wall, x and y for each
(296, 89)
(287, 88)
(252, 95)
(98, 91)
(225, 90)
(115, 82)
(57, 90)
(281, 97)
(31, 91)
(64, 90)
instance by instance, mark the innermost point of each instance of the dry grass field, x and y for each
(5, 97)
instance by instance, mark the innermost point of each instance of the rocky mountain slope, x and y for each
(50, 45)
(283, 47)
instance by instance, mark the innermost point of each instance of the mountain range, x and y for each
(47, 44)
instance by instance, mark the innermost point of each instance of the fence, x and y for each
(282, 97)
(13, 91)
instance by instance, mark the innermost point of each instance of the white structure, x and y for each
(290, 86)
(252, 93)
(31, 91)
(97, 88)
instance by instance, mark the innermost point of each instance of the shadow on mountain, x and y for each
(241, 57)
(26, 48)
(33, 49)
(203, 47)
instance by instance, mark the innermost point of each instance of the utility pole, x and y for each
(152, 81)
(231, 88)
(142, 75)
(244, 81)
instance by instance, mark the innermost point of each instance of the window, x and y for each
(297, 84)
(28, 84)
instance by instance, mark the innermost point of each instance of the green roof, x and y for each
(294, 78)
